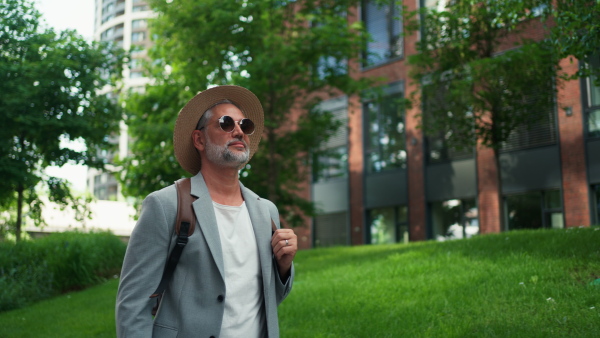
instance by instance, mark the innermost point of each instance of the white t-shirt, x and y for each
(244, 310)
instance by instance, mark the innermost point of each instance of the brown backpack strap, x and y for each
(184, 227)
(185, 211)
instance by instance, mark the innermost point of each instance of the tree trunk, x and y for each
(20, 189)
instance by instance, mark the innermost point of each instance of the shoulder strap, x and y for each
(185, 211)
(184, 227)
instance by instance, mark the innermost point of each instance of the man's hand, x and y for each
(285, 245)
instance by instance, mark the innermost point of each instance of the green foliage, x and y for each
(474, 85)
(536, 283)
(284, 52)
(576, 30)
(50, 86)
(34, 270)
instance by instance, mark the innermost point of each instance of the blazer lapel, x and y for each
(205, 214)
(261, 222)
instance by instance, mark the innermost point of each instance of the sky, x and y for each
(69, 14)
(61, 15)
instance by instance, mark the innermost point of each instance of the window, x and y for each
(388, 225)
(138, 36)
(438, 142)
(438, 149)
(541, 132)
(593, 100)
(382, 22)
(385, 144)
(331, 229)
(108, 8)
(596, 201)
(140, 8)
(135, 75)
(135, 63)
(328, 65)
(331, 160)
(107, 34)
(454, 219)
(141, 23)
(535, 210)
(330, 164)
(137, 51)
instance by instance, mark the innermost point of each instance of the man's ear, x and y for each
(199, 140)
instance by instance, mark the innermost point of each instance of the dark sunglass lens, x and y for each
(227, 123)
(247, 126)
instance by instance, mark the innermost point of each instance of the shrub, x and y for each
(60, 262)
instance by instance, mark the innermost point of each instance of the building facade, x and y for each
(390, 183)
(124, 23)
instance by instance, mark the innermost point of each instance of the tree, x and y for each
(49, 94)
(290, 54)
(576, 30)
(475, 84)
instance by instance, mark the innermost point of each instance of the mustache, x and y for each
(238, 140)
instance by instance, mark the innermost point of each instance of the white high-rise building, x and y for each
(124, 22)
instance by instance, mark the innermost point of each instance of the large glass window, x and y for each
(386, 143)
(535, 210)
(331, 163)
(331, 160)
(539, 126)
(454, 219)
(384, 25)
(388, 225)
(439, 148)
(540, 133)
(593, 100)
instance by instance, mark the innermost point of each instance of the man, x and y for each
(234, 271)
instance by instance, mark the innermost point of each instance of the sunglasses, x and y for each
(227, 124)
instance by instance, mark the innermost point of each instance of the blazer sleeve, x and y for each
(282, 288)
(142, 270)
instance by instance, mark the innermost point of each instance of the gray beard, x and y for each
(223, 156)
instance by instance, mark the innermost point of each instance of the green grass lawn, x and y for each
(87, 313)
(516, 284)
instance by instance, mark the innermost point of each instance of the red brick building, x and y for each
(390, 183)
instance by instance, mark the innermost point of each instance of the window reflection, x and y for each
(386, 146)
(388, 225)
(535, 210)
(454, 219)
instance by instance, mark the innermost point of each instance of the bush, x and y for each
(34, 270)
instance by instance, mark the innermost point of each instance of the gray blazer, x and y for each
(193, 304)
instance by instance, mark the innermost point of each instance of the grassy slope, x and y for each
(517, 284)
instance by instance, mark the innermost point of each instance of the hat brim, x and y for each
(185, 152)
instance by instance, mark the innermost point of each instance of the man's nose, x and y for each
(237, 130)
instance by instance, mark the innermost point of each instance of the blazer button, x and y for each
(220, 298)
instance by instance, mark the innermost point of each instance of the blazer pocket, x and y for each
(161, 331)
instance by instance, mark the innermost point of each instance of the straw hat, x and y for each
(185, 152)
